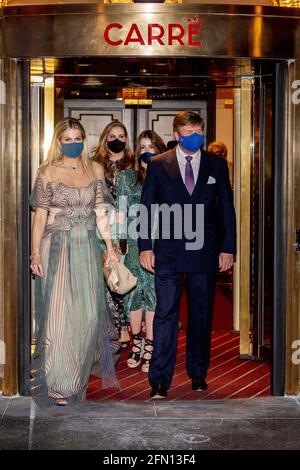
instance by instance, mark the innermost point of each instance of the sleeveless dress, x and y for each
(143, 295)
(73, 327)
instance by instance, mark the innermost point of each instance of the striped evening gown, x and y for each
(74, 331)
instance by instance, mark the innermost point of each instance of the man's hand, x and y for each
(225, 261)
(147, 260)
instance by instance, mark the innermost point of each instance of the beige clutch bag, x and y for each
(118, 278)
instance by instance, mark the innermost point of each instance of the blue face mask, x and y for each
(72, 150)
(192, 142)
(145, 157)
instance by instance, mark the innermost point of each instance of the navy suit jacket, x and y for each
(207, 211)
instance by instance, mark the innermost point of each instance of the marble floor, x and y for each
(238, 424)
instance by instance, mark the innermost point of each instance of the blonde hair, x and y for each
(187, 117)
(101, 153)
(220, 145)
(55, 155)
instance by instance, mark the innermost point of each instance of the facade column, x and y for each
(292, 375)
(9, 229)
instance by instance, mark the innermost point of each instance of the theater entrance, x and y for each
(243, 103)
(235, 100)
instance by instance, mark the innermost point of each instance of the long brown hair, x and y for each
(159, 144)
(101, 153)
(55, 155)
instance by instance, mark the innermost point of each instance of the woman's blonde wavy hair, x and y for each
(55, 155)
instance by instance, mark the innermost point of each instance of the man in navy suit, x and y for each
(192, 244)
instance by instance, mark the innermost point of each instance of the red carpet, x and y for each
(228, 376)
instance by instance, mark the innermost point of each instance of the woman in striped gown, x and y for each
(73, 326)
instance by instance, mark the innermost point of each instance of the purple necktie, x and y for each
(189, 175)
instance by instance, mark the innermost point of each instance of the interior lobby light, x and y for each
(134, 93)
(286, 3)
(136, 97)
(142, 1)
(36, 79)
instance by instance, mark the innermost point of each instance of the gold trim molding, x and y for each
(132, 1)
(286, 3)
(4, 3)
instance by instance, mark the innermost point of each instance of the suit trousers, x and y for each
(200, 294)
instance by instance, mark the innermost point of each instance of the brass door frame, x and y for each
(9, 190)
(2, 341)
(243, 201)
(241, 293)
(234, 22)
(15, 180)
(292, 220)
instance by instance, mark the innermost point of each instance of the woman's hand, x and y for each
(147, 260)
(117, 246)
(111, 255)
(36, 265)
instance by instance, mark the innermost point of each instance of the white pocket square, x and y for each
(211, 180)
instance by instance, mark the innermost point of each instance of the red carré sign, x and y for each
(154, 34)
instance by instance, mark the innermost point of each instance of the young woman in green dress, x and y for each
(114, 154)
(141, 301)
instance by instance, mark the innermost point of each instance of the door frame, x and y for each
(45, 23)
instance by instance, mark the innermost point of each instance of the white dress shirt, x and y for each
(195, 162)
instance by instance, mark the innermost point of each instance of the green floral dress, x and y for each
(143, 295)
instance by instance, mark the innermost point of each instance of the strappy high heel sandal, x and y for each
(124, 339)
(135, 355)
(148, 350)
(62, 402)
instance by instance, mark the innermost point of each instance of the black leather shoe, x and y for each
(199, 385)
(158, 392)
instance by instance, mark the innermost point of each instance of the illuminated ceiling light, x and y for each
(286, 3)
(136, 97)
(92, 81)
(118, 1)
(131, 102)
(134, 93)
(228, 103)
(142, 1)
(36, 67)
(36, 79)
(4, 3)
(50, 64)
